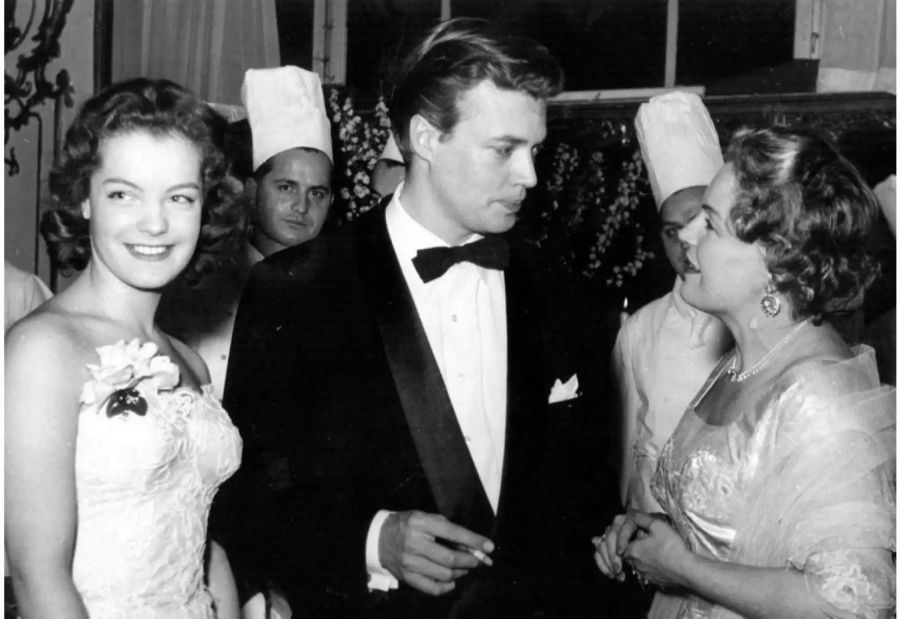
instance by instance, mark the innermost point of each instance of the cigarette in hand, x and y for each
(478, 554)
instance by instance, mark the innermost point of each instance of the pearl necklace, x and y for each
(762, 363)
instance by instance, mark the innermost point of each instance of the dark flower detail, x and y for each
(126, 401)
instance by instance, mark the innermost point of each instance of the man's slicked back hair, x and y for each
(456, 56)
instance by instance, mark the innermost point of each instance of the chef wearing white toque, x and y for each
(292, 156)
(290, 191)
(666, 349)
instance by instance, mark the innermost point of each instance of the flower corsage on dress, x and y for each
(128, 379)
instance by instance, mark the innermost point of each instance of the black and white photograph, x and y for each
(450, 309)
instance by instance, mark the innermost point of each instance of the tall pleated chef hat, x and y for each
(678, 142)
(286, 109)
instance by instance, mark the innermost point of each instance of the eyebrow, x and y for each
(185, 186)
(514, 141)
(122, 181)
(290, 181)
(711, 211)
(119, 181)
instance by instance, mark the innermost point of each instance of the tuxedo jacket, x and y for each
(343, 412)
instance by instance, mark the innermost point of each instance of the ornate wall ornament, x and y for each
(29, 88)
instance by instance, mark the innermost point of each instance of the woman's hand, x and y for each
(220, 582)
(657, 554)
(610, 546)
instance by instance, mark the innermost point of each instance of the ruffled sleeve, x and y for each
(821, 497)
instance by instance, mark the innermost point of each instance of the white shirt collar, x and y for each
(407, 234)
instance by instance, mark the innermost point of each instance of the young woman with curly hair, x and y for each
(114, 443)
(778, 483)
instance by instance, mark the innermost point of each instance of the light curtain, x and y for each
(858, 46)
(204, 45)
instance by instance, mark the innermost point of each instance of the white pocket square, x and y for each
(563, 392)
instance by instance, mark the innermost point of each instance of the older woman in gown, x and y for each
(778, 483)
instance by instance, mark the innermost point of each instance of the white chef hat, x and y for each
(286, 109)
(390, 151)
(678, 142)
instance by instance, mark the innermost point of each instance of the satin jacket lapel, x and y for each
(442, 450)
(524, 383)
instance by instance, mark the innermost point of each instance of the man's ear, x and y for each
(423, 136)
(86, 208)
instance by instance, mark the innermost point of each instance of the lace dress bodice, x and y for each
(149, 458)
(803, 480)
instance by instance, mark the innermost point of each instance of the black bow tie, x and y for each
(491, 252)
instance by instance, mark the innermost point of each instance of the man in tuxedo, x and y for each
(408, 387)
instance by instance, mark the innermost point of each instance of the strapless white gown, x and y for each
(149, 458)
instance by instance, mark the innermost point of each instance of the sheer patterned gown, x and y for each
(803, 479)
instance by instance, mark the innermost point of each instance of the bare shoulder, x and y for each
(820, 345)
(46, 337)
(46, 359)
(823, 365)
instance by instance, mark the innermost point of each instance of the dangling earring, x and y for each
(770, 304)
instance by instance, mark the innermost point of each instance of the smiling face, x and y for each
(677, 210)
(478, 174)
(292, 200)
(724, 275)
(144, 208)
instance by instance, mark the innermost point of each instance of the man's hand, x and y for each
(408, 548)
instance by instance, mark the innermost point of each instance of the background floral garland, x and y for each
(361, 138)
(592, 210)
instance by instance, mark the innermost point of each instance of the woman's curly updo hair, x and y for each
(161, 108)
(811, 210)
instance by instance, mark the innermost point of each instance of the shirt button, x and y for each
(468, 438)
(454, 318)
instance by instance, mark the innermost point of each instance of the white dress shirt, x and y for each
(663, 354)
(463, 313)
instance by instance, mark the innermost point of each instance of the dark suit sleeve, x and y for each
(236, 520)
(293, 516)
